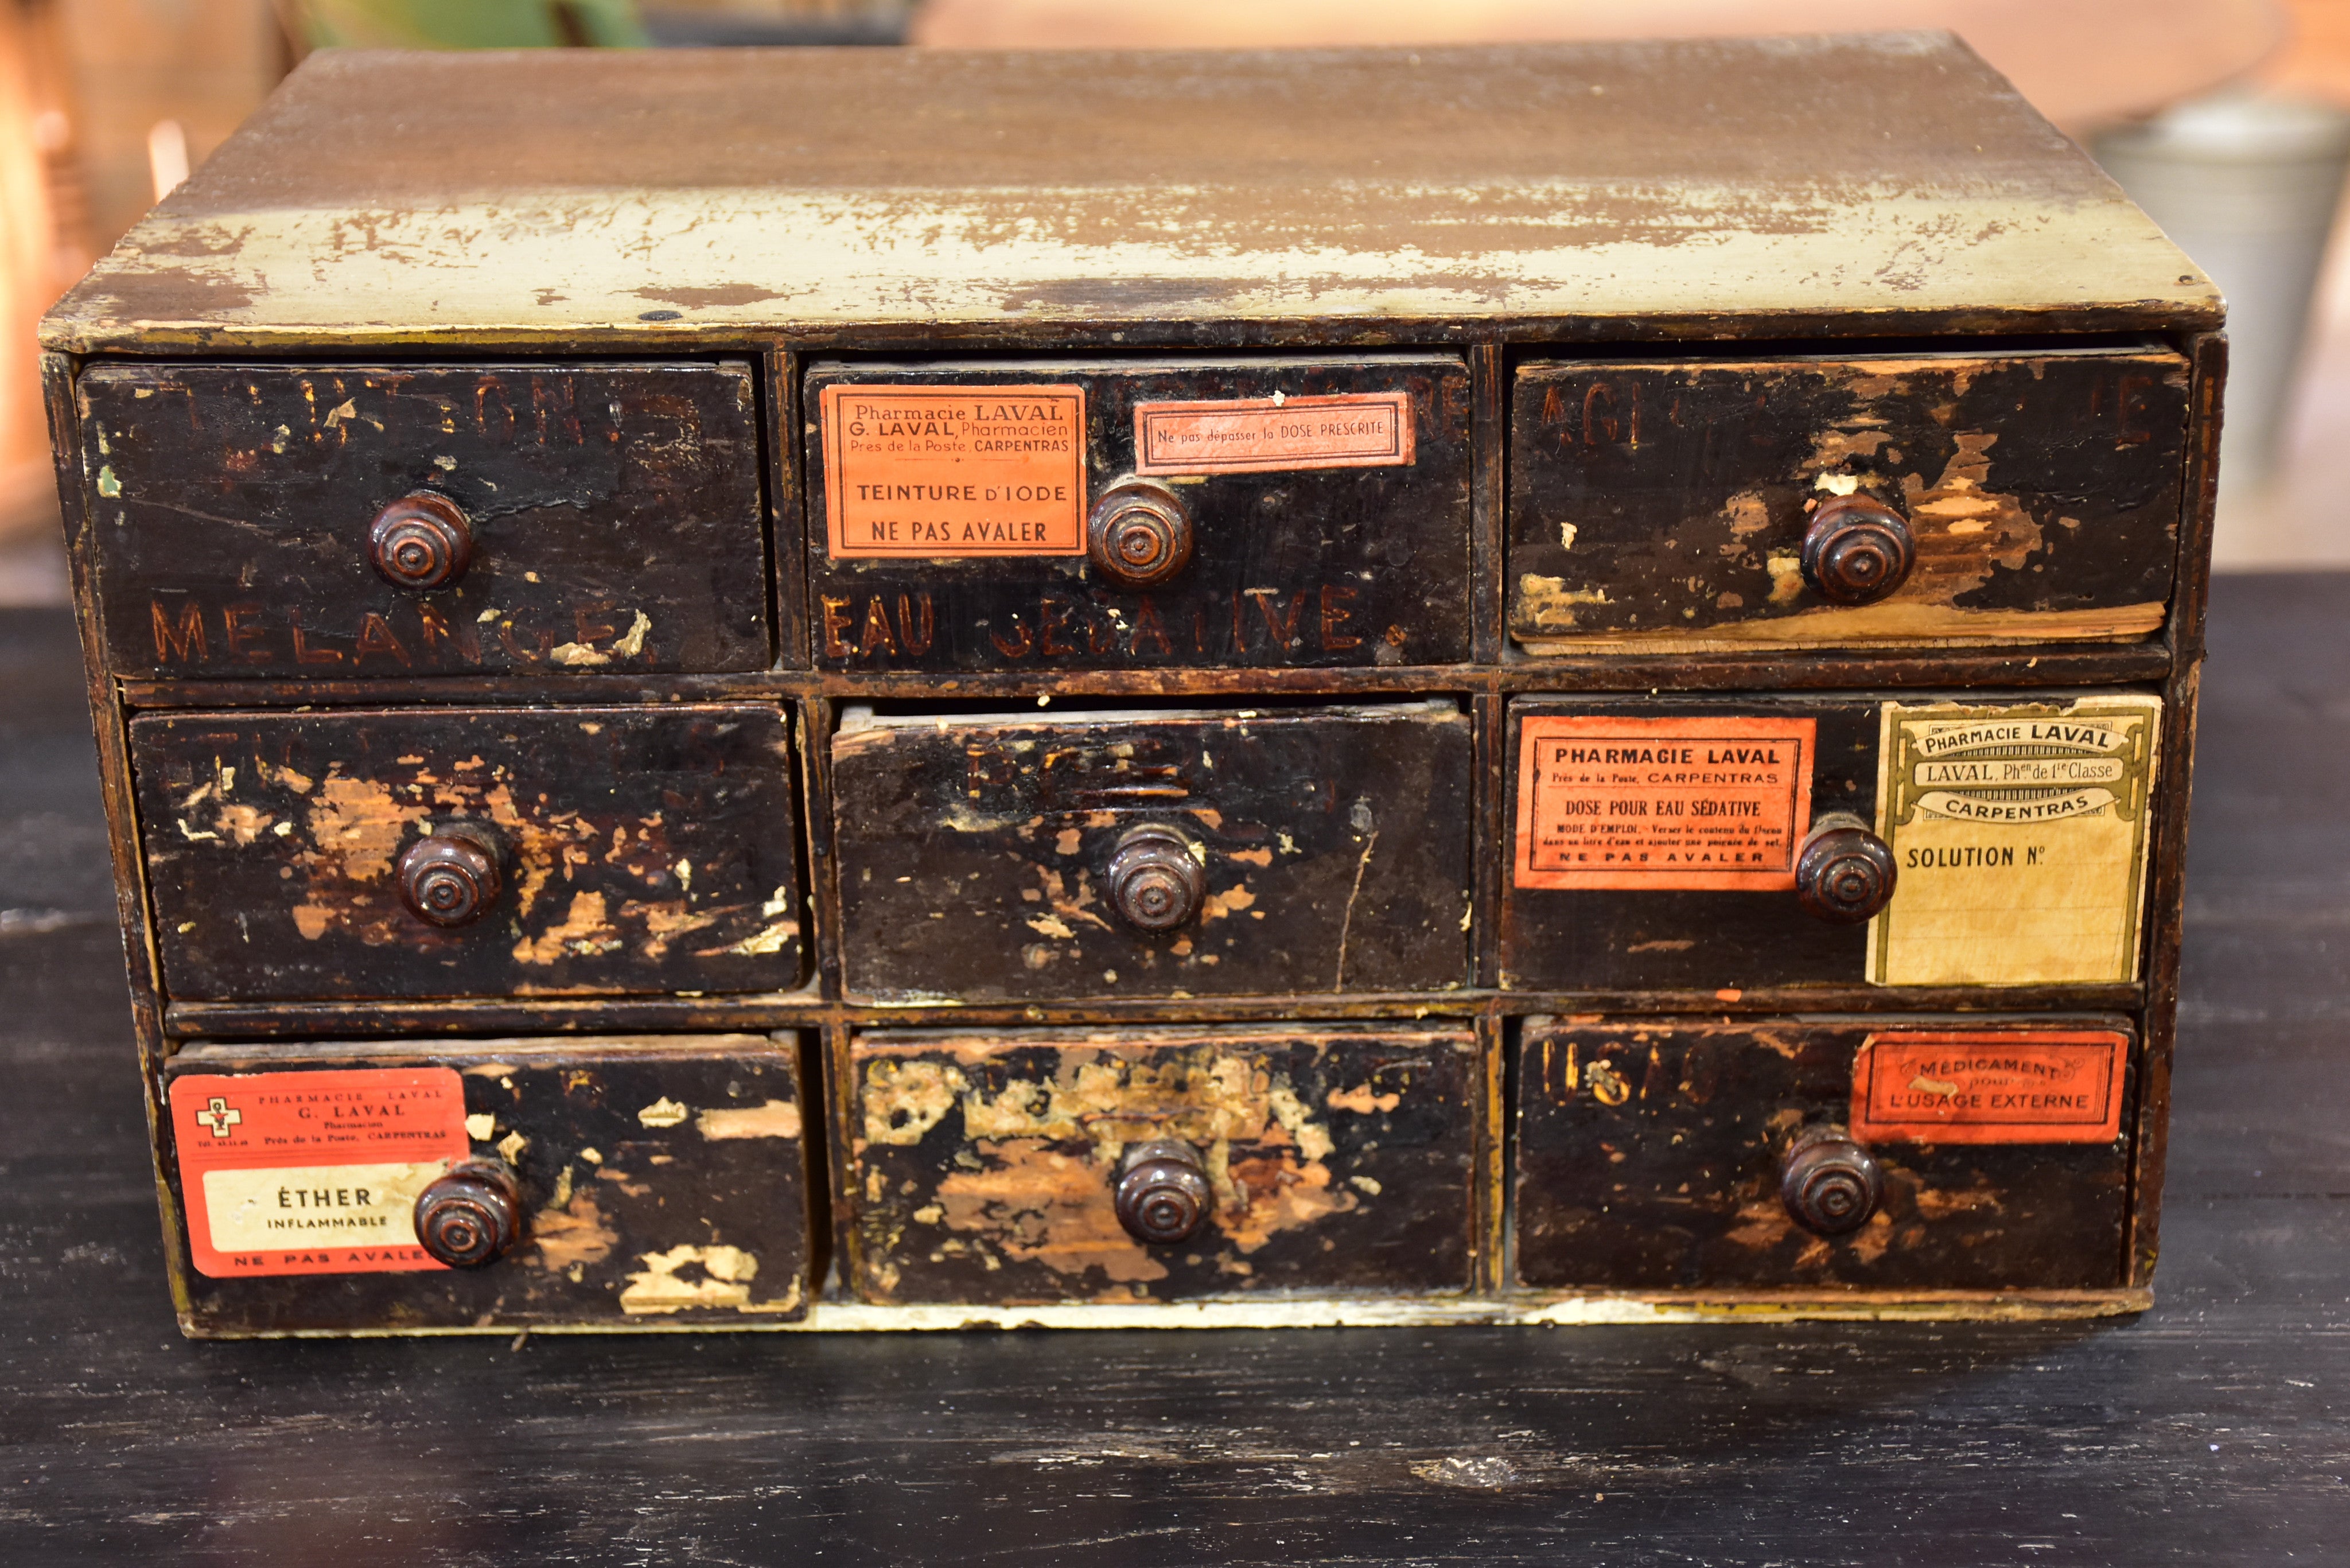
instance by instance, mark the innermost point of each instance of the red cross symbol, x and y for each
(219, 1118)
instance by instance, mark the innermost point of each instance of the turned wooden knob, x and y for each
(1843, 873)
(1155, 882)
(1829, 1183)
(449, 879)
(1857, 550)
(471, 1215)
(1140, 535)
(1162, 1195)
(420, 541)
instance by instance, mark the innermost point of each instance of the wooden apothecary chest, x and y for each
(882, 688)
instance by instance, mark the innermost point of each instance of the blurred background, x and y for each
(2229, 120)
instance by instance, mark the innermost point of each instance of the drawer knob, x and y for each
(1829, 1183)
(1162, 1191)
(1843, 873)
(471, 1215)
(420, 541)
(1857, 550)
(449, 879)
(1155, 882)
(1139, 533)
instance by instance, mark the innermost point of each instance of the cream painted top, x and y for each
(1885, 183)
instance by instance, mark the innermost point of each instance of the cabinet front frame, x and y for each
(2170, 661)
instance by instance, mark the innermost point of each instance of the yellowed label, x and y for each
(2020, 837)
(315, 1207)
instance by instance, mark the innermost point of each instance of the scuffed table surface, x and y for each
(2210, 1429)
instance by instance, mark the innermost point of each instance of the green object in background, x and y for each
(472, 23)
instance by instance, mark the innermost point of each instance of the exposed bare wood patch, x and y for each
(1663, 508)
(635, 850)
(1335, 1157)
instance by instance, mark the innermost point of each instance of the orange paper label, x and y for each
(935, 472)
(1989, 1086)
(313, 1173)
(1662, 802)
(1260, 435)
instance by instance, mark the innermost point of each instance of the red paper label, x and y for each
(938, 472)
(313, 1173)
(1662, 802)
(1263, 435)
(1990, 1087)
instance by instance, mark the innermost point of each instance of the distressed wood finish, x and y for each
(1322, 567)
(664, 1180)
(1167, 1449)
(1645, 1160)
(1800, 671)
(641, 850)
(1300, 196)
(1605, 938)
(1662, 507)
(981, 1166)
(1258, 808)
(2166, 894)
(615, 511)
(1734, 940)
(974, 851)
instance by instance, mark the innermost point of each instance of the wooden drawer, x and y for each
(643, 1182)
(469, 852)
(1081, 513)
(579, 518)
(1728, 845)
(1154, 852)
(1009, 1168)
(1974, 1154)
(1668, 507)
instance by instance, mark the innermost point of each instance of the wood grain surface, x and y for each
(2210, 1429)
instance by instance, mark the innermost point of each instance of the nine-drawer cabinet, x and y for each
(777, 737)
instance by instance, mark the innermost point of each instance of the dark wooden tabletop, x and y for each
(2210, 1429)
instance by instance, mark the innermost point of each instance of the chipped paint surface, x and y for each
(774, 936)
(1647, 1160)
(1400, 194)
(768, 1118)
(571, 1233)
(989, 1161)
(974, 854)
(1369, 570)
(686, 1276)
(840, 262)
(1551, 603)
(1557, 1309)
(612, 507)
(1601, 208)
(626, 1219)
(1690, 487)
(639, 850)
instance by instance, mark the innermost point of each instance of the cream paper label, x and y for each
(312, 1208)
(2019, 837)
